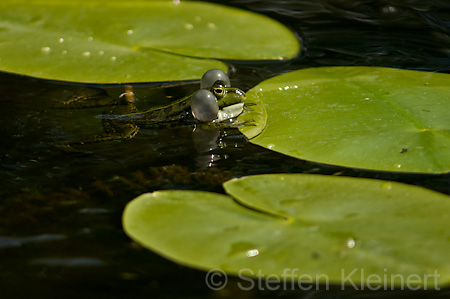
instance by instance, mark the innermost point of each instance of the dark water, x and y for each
(60, 213)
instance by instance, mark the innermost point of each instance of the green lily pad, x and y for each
(321, 227)
(364, 117)
(112, 41)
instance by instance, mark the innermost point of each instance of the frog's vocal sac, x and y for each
(215, 105)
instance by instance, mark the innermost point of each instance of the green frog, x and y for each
(215, 105)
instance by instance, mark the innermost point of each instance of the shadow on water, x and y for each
(60, 212)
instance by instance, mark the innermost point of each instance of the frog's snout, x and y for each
(242, 94)
(238, 96)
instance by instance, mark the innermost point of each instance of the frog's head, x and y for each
(229, 96)
(218, 83)
(215, 93)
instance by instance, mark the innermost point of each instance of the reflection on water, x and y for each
(7, 242)
(60, 213)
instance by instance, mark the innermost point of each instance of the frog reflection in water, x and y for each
(215, 105)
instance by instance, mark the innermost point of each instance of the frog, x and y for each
(214, 106)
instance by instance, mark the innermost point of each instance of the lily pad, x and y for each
(321, 228)
(364, 117)
(112, 41)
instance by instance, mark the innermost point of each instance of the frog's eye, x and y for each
(219, 91)
(212, 76)
(204, 105)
